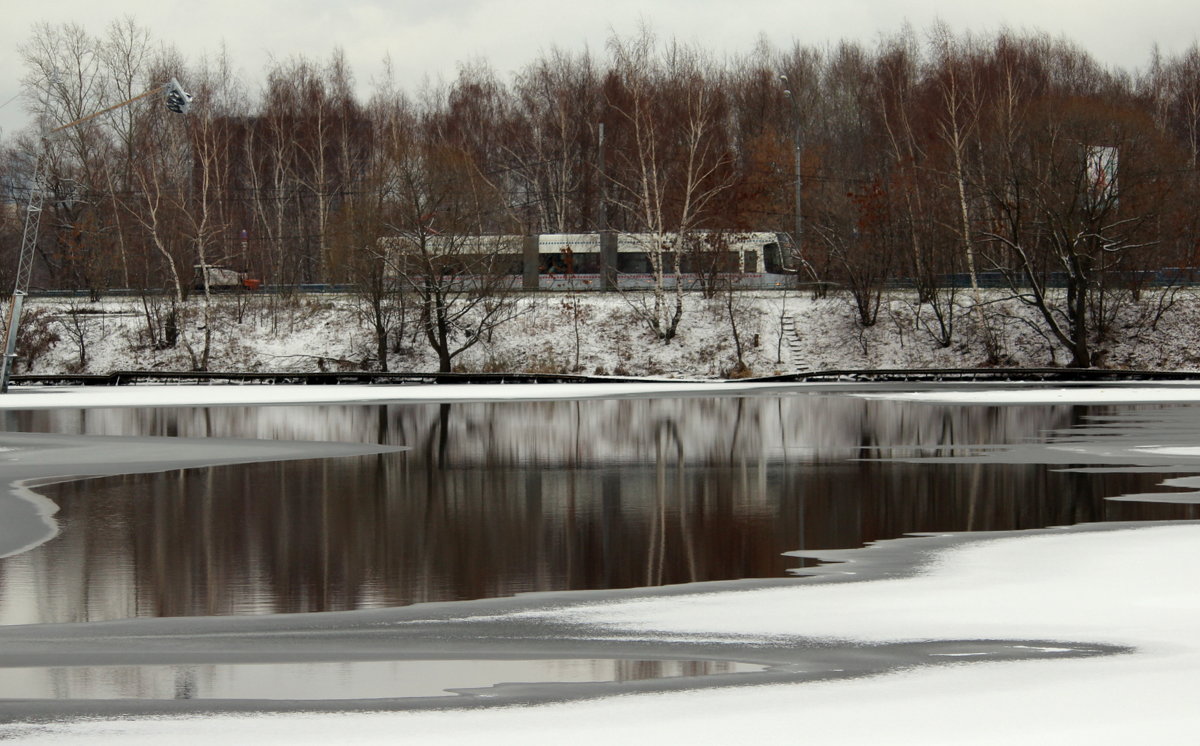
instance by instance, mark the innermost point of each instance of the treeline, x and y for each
(931, 156)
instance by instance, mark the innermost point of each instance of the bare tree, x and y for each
(853, 216)
(77, 322)
(66, 81)
(1076, 195)
(554, 140)
(362, 227)
(160, 182)
(675, 161)
(125, 56)
(439, 247)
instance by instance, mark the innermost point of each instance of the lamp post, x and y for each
(797, 144)
(177, 100)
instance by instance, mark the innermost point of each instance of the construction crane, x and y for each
(178, 101)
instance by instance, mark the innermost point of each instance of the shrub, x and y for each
(36, 336)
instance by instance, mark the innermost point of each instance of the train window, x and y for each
(587, 263)
(476, 264)
(634, 263)
(708, 262)
(554, 264)
(568, 263)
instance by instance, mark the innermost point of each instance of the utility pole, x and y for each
(177, 100)
(798, 146)
(602, 218)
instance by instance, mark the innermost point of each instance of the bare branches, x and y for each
(935, 160)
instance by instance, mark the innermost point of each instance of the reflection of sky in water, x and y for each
(336, 680)
(496, 499)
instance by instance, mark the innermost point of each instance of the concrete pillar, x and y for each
(530, 263)
(608, 260)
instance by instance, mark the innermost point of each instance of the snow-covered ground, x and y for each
(595, 333)
(1133, 587)
(585, 333)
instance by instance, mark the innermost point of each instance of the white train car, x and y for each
(596, 261)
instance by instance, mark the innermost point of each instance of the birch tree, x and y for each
(674, 161)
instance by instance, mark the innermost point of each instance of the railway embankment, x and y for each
(781, 335)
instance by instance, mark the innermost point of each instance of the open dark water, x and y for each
(501, 498)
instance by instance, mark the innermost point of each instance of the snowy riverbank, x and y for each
(589, 333)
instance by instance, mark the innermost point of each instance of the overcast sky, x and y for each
(428, 37)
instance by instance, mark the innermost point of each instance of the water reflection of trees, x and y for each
(795, 427)
(500, 498)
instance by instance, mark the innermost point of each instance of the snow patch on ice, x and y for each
(1070, 586)
(56, 397)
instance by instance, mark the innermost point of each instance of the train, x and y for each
(609, 260)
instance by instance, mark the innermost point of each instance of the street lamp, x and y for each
(798, 145)
(177, 100)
